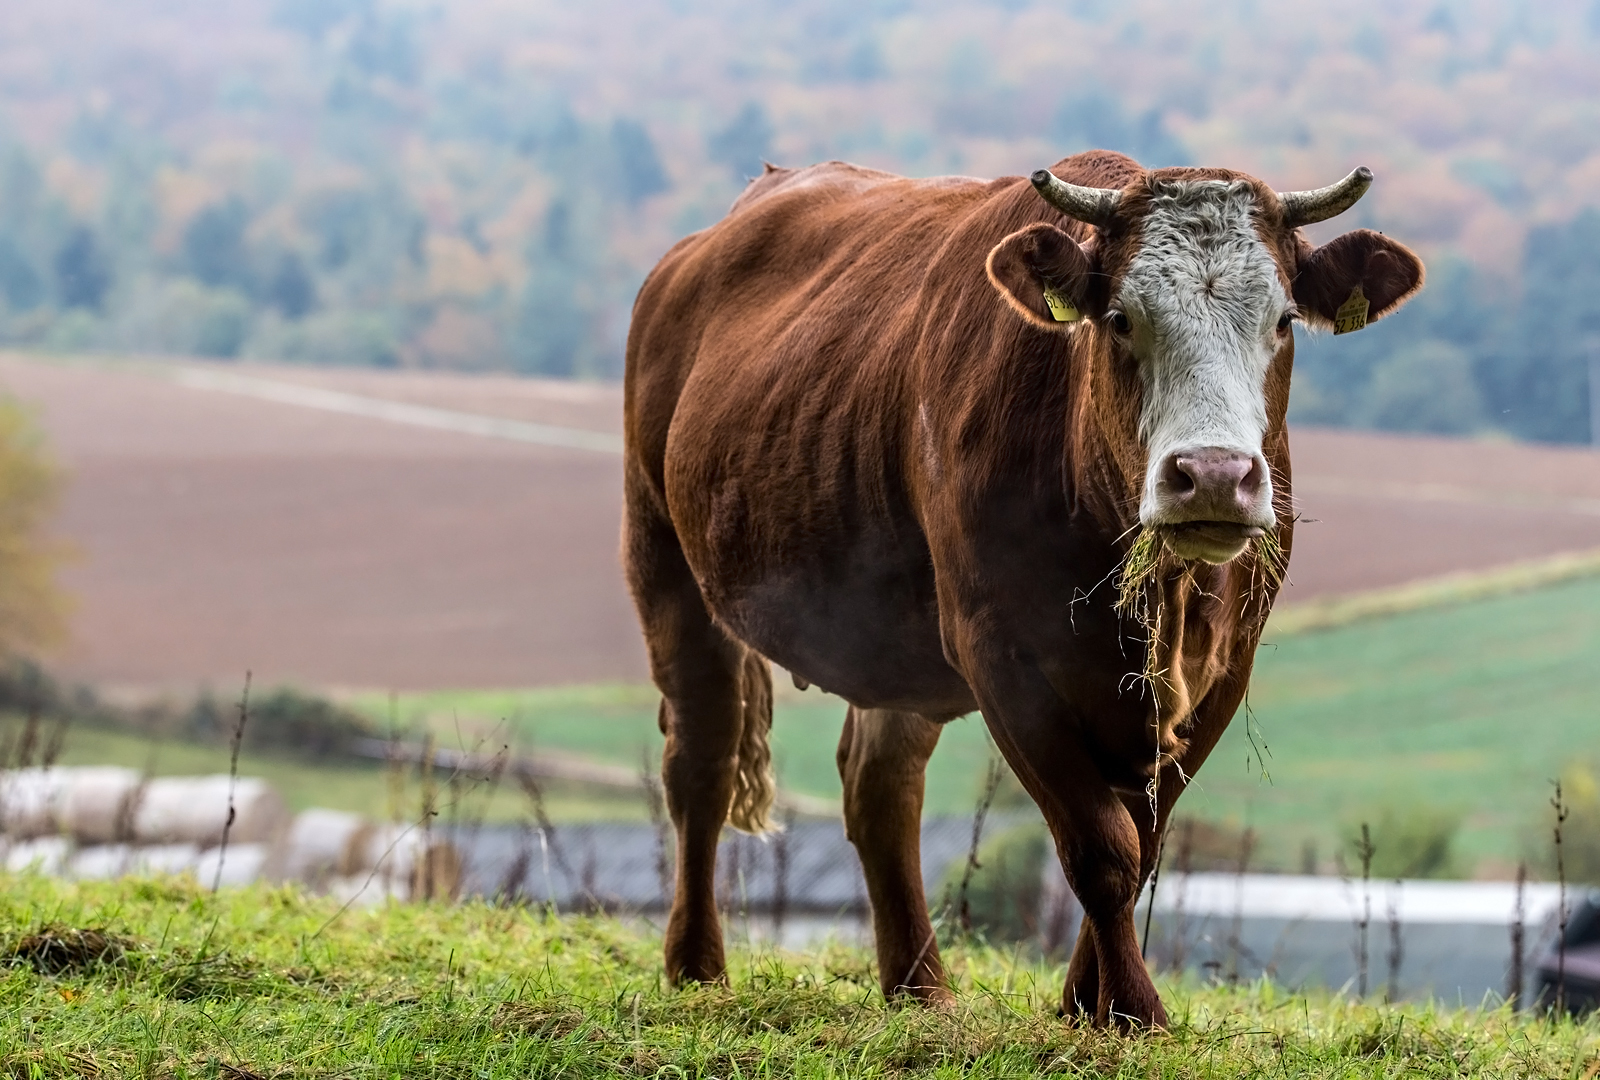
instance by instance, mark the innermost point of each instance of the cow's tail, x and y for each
(753, 783)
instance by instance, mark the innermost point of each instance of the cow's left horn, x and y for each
(1310, 207)
(1088, 204)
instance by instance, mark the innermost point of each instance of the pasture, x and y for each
(1470, 708)
(178, 982)
(1467, 709)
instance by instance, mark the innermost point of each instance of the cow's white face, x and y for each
(1203, 309)
(1198, 309)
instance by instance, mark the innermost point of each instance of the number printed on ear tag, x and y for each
(1352, 314)
(1061, 308)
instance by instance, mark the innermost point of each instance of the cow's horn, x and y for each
(1309, 207)
(1089, 204)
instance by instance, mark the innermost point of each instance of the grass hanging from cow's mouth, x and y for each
(1139, 596)
(1270, 561)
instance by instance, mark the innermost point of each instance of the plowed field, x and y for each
(221, 531)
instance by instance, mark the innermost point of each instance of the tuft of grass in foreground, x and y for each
(160, 978)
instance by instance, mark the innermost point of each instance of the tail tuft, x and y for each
(753, 785)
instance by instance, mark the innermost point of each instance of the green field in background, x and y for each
(1473, 708)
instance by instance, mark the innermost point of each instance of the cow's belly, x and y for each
(864, 627)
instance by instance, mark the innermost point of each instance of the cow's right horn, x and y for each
(1087, 204)
(1310, 207)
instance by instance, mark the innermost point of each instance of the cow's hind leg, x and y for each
(716, 702)
(1080, 996)
(882, 756)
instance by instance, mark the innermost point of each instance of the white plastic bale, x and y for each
(241, 864)
(393, 855)
(164, 859)
(46, 855)
(194, 810)
(100, 862)
(97, 803)
(30, 801)
(319, 845)
(390, 849)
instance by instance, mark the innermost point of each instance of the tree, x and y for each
(214, 248)
(19, 281)
(637, 161)
(83, 276)
(1098, 121)
(291, 289)
(744, 144)
(32, 608)
(1539, 374)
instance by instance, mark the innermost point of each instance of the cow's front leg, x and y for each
(1096, 838)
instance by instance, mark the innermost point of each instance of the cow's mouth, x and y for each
(1210, 541)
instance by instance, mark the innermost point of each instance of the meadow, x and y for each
(1462, 710)
(1468, 709)
(162, 978)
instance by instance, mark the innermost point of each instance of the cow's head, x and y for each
(1188, 289)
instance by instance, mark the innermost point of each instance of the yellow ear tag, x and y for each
(1352, 314)
(1061, 309)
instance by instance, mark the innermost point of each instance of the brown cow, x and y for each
(898, 437)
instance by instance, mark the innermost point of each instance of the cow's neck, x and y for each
(1192, 612)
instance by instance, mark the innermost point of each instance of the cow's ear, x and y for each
(1042, 273)
(1387, 273)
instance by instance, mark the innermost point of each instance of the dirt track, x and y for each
(220, 532)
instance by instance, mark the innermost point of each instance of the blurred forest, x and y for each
(482, 184)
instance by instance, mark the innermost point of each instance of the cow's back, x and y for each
(763, 296)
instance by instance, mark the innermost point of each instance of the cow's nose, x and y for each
(1209, 483)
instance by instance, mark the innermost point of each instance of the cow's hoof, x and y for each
(1135, 1017)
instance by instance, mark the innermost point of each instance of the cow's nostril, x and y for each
(1177, 475)
(1250, 484)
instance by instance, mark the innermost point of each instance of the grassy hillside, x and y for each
(1464, 711)
(1472, 709)
(1469, 709)
(269, 983)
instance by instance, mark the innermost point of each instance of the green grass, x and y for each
(1472, 708)
(271, 983)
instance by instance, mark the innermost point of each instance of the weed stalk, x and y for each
(1515, 977)
(1155, 880)
(1180, 927)
(1365, 851)
(655, 803)
(1558, 804)
(991, 785)
(1247, 844)
(233, 779)
(1396, 955)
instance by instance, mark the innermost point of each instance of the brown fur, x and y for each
(857, 446)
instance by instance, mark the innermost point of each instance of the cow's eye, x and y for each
(1119, 322)
(1285, 321)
